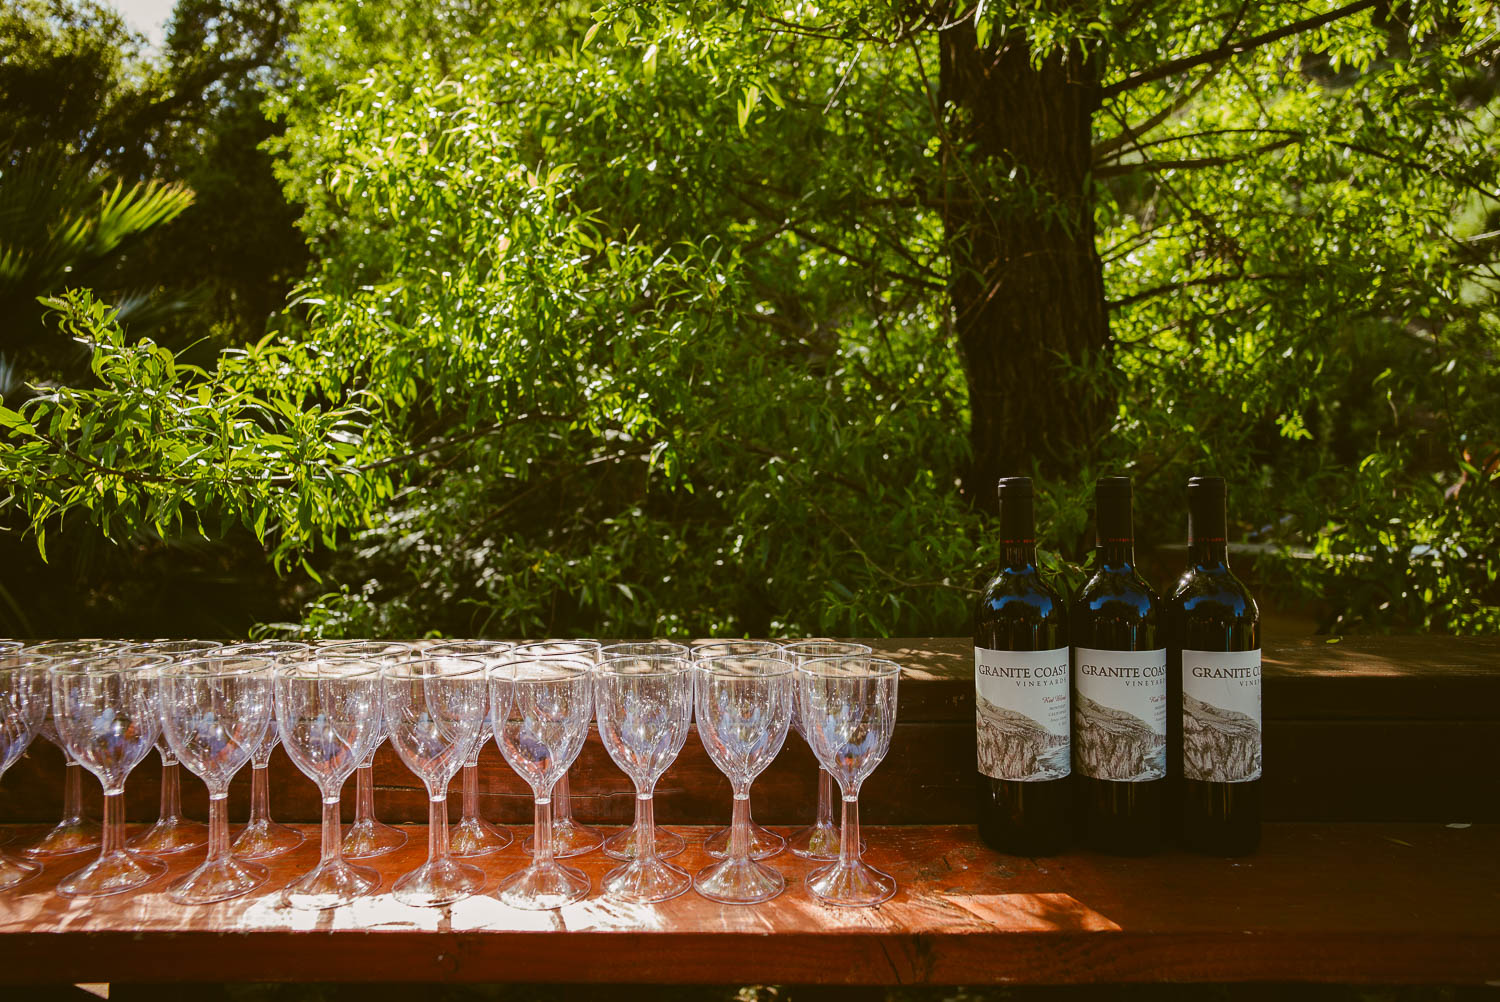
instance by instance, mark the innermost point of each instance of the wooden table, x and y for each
(1356, 903)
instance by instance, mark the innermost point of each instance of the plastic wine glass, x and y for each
(329, 713)
(172, 833)
(23, 704)
(474, 836)
(76, 831)
(541, 707)
(644, 707)
(764, 843)
(849, 713)
(434, 707)
(262, 838)
(744, 708)
(107, 715)
(569, 837)
(819, 840)
(215, 713)
(368, 837)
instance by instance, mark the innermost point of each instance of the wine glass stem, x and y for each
(171, 788)
(471, 789)
(364, 793)
(73, 794)
(113, 835)
(562, 799)
(437, 828)
(825, 799)
(645, 826)
(333, 842)
(739, 826)
(541, 839)
(218, 827)
(849, 832)
(260, 794)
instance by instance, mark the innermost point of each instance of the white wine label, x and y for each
(1021, 714)
(1221, 716)
(1120, 714)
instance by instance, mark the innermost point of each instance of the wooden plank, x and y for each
(1364, 904)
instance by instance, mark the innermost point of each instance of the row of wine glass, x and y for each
(215, 708)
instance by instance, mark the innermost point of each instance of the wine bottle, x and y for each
(1021, 693)
(1214, 675)
(1119, 689)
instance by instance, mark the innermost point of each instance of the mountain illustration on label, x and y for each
(1014, 746)
(1218, 745)
(1116, 745)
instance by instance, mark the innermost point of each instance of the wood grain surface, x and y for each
(1380, 904)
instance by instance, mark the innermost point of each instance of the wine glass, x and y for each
(819, 840)
(172, 833)
(474, 836)
(849, 715)
(541, 704)
(366, 836)
(569, 837)
(107, 715)
(764, 843)
(434, 707)
(261, 837)
(329, 713)
(23, 705)
(215, 713)
(744, 707)
(645, 704)
(75, 832)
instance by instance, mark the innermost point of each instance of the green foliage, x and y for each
(634, 320)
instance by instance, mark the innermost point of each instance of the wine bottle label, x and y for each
(1221, 716)
(1021, 714)
(1120, 714)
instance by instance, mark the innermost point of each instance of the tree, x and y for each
(656, 318)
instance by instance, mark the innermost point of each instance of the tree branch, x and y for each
(1229, 50)
(1191, 163)
(1224, 279)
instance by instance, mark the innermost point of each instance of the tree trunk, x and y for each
(1027, 287)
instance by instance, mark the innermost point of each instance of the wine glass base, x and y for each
(569, 838)
(622, 844)
(539, 888)
(739, 882)
(330, 885)
(764, 843)
(850, 885)
(646, 880)
(265, 838)
(170, 835)
(217, 880)
(817, 841)
(111, 873)
(477, 837)
(15, 871)
(66, 838)
(368, 837)
(438, 882)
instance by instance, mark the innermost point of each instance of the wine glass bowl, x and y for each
(744, 709)
(644, 706)
(547, 702)
(849, 715)
(329, 713)
(434, 708)
(215, 713)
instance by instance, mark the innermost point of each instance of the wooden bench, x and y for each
(1381, 863)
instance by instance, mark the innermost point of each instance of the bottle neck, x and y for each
(1018, 553)
(1017, 531)
(1208, 529)
(1116, 552)
(1114, 532)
